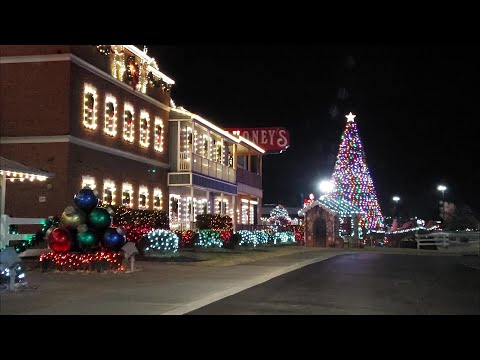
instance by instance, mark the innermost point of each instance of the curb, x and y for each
(194, 305)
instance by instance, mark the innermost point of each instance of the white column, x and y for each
(234, 213)
(222, 207)
(4, 192)
(179, 144)
(191, 218)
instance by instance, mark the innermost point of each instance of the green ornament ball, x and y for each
(87, 240)
(99, 219)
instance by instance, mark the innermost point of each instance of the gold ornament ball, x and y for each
(72, 218)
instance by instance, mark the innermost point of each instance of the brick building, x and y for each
(92, 115)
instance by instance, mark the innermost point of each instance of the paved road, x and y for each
(364, 284)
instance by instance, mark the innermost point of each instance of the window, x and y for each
(110, 116)
(143, 197)
(205, 147)
(158, 141)
(157, 199)
(174, 207)
(88, 182)
(144, 129)
(109, 192)
(218, 206)
(127, 195)
(90, 107)
(128, 123)
(187, 134)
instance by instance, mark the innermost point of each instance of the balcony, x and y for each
(249, 178)
(206, 167)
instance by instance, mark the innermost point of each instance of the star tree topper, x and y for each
(350, 117)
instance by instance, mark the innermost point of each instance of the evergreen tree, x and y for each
(352, 180)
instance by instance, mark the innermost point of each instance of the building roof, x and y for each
(16, 168)
(337, 206)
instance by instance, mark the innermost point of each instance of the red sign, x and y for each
(271, 139)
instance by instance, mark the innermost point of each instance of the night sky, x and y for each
(416, 110)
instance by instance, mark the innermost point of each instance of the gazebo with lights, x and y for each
(329, 220)
(14, 171)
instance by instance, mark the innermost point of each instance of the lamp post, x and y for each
(326, 186)
(442, 188)
(396, 199)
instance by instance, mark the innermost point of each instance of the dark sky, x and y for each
(416, 112)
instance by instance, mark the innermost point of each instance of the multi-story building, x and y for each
(212, 171)
(94, 116)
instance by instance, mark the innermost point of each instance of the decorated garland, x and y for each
(105, 49)
(133, 71)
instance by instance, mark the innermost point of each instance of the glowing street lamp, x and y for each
(326, 186)
(396, 199)
(442, 188)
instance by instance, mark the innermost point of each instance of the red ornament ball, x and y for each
(60, 240)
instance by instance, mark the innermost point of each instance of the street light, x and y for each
(442, 188)
(396, 199)
(326, 186)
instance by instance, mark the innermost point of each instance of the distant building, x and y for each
(212, 172)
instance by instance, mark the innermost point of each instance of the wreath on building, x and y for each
(89, 101)
(128, 117)
(110, 109)
(144, 124)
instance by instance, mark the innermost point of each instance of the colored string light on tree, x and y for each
(352, 180)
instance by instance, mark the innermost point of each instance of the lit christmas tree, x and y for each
(352, 180)
(279, 218)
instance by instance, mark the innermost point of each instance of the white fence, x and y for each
(6, 221)
(438, 239)
(455, 240)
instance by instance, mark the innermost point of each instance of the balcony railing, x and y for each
(249, 178)
(206, 167)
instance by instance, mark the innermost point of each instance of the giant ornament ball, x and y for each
(72, 218)
(87, 240)
(60, 240)
(99, 219)
(86, 200)
(113, 239)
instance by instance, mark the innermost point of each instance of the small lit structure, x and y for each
(14, 171)
(324, 218)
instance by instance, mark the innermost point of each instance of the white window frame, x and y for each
(128, 128)
(113, 130)
(109, 185)
(144, 137)
(90, 89)
(88, 182)
(143, 190)
(127, 187)
(156, 145)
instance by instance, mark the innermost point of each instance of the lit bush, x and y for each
(208, 239)
(161, 241)
(283, 238)
(247, 238)
(185, 238)
(262, 237)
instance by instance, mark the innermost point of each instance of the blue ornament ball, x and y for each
(86, 200)
(113, 240)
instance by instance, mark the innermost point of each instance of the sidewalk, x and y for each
(158, 288)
